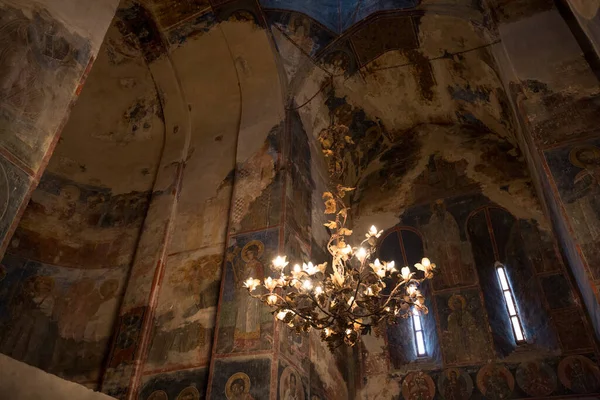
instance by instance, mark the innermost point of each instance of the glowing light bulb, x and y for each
(318, 290)
(271, 299)
(373, 230)
(348, 332)
(426, 262)
(361, 254)
(307, 284)
(281, 315)
(327, 332)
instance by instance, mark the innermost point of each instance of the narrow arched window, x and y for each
(418, 332)
(511, 305)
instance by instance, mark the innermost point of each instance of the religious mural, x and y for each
(536, 378)
(244, 323)
(247, 379)
(185, 314)
(461, 316)
(188, 384)
(579, 374)
(418, 386)
(291, 386)
(58, 319)
(575, 170)
(455, 384)
(41, 64)
(444, 244)
(495, 382)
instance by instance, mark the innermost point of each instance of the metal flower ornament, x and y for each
(351, 295)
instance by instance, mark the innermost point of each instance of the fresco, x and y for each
(579, 374)
(340, 16)
(460, 317)
(244, 323)
(536, 378)
(495, 382)
(237, 379)
(41, 66)
(455, 384)
(418, 386)
(574, 169)
(58, 319)
(179, 385)
(186, 311)
(292, 385)
(444, 244)
(309, 35)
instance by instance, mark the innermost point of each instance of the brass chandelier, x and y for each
(352, 296)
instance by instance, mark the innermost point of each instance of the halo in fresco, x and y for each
(454, 384)
(579, 374)
(418, 386)
(158, 395)
(536, 378)
(495, 382)
(285, 391)
(237, 376)
(189, 393)
(260, 249)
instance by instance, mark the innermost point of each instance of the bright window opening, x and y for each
(418, 330)
(511, 307)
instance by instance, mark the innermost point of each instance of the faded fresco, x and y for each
(58, 319)
(69, 258)
(179, 385)
(41, 65)
(460, 317)
(247, 379)
(244, 323)
(575, 169)
(186, 311)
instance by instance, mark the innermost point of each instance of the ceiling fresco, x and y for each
(339, 15)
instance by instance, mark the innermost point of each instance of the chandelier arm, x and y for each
(318, 305)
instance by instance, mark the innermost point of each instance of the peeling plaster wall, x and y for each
(66, 268)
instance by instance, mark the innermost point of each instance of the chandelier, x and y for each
(352, 296)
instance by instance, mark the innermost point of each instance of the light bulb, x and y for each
(318, 290)
(425, 262)
(280, 262)
(348, 332)
(271, 299)
(281, 315)
(307, 284)
(361, 254)
(327, 332)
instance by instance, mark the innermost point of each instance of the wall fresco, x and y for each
(574, 171)
(180, 385)
(185, 315)
(242, 379)
(244, 323)
(58, 319)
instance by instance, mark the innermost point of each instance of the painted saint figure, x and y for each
(463, 340)
(291, 393)
(238, 387)
(536, 379)
(446, 247)
(247, 322)
(495, 382)
(583, 201)
(455, 385)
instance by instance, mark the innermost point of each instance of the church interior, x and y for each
(158, 155)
